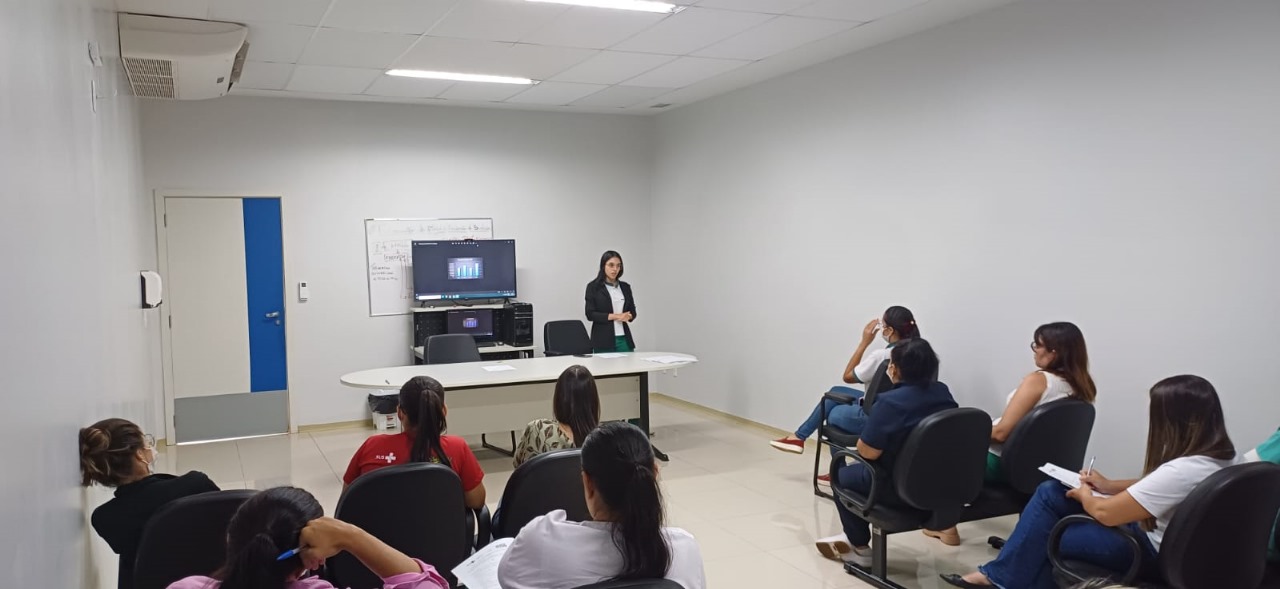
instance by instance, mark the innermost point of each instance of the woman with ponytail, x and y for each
(626, 541)
(576, 406)
(116, 453)
(422, 413)
(271, 524)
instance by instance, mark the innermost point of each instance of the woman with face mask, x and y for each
(896, 325)
(115, 453)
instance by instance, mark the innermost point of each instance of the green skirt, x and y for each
(619, 345)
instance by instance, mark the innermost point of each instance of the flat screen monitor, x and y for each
(471, 269)
(477, 323)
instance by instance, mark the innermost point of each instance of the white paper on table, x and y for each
(1066, 477)
(499, 368)
(671, 359)
(481, 570)
(609, 355)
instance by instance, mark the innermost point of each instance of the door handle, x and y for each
(273, 314)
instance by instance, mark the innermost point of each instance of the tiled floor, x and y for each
(751, 507)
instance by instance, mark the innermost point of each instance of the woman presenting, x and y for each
(610, 307)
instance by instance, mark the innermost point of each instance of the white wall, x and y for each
(1110, 163)
(75, 229)
(565, 187)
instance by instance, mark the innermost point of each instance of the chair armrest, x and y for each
(841, 398)
(484, 526)
(849, 501)
(1055, 542)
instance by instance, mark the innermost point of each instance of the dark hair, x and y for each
(1186, 420)
(916, 362)
(901, 321)
(266, 525)
(604, 259)
(1072, 362)
(422, 401)
(618, 458)
(109, 451)
(576, 402)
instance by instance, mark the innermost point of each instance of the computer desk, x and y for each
(482, 400)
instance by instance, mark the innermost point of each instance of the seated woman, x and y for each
(912, 366)
(576, 407)
(115, 453)
(1269, 451)
(1186, 442)
(264, 533)
(897, 324)
(627, 540)
(1062, 371)
(422, 411)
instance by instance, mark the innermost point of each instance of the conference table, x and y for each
(505, 395)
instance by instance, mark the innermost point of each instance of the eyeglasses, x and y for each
(1037, 346)
(148, 441)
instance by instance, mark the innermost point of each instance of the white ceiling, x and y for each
(587, 59)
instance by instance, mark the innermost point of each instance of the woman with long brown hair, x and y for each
(1186, 442)
(576, 407)
(1062, 372)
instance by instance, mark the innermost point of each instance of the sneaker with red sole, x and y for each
(792, 446)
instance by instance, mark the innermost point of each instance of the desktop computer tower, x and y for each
(517, 324)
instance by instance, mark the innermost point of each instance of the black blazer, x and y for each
(599, 307)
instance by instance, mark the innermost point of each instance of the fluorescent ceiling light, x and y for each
(460, 77)
(641, 5)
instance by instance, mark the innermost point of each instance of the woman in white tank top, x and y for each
(1062, 363)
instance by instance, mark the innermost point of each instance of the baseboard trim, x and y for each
(725, 417)
(324, 427)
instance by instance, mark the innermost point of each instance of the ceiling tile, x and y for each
(555, 93)
(387, 16)
(765, 6)
(858, 10)
(620, 96)
(341, 48)
(774, 37)
(332, 80)
(178, 8)
(408, 87)
(454, 55)
(592, 28)
(480, 92)
(541, 62)
(496, 20)
(691, 30)
(278, 43)
(265, 76)
(685, 71)
(293, 12)
(612, 67)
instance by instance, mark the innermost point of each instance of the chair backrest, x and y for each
(941, 464)
(545, 483)
(634, 584)
(879, 383)
(565, 338)
(453, 348)
(186, 537)
(1218, 535)
(415, 508)
(1056, 432)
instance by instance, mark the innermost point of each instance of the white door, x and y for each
(225, 351)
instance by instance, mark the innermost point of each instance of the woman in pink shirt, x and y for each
(264, 532)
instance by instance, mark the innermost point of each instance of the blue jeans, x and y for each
(856, 478)
(1024, 560)
(849, 418)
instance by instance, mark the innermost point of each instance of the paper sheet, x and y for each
(609, 355)
(481, 570)
(1066, 477)
(499, 368)
(672, 359)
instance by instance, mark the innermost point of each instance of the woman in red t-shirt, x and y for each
(422, 412)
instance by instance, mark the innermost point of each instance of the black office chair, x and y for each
(1217, 537)
(1056, 432)
(186, 537)
(545, 483)
(453, 348)
(938, 470)
(565, 338)
(415, 508)
(634, 584)
(830, 435)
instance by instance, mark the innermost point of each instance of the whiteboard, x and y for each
(389, 243)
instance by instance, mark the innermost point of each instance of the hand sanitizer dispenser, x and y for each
(152, 290)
